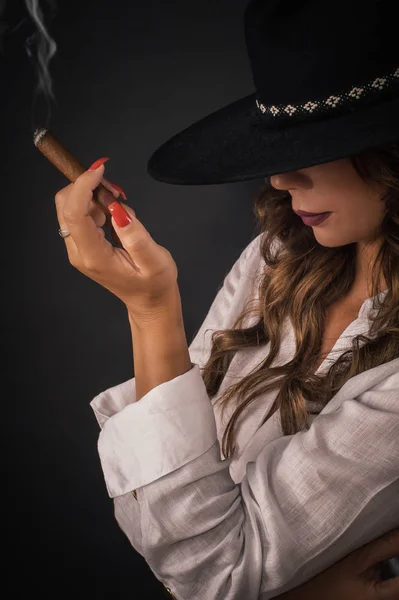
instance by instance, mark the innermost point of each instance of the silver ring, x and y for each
(63, 233)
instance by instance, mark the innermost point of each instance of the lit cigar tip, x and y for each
(39, 135)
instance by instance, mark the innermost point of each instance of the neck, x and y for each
(365, 259)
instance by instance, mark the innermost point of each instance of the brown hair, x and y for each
(301, 280)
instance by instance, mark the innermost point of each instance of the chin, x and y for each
(327, 244)
(331, 242)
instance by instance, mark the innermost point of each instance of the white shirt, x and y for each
(283, 510)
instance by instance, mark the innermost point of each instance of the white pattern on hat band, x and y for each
(334, 101)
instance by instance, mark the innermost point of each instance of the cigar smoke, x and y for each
(39, 45)
(42, 43)
(41, 48)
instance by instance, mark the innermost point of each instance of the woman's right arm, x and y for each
(357, 576)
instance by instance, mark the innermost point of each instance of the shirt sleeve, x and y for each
(125, 421)
(307, 501)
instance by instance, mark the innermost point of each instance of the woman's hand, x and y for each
(142, 274)
(355, 577)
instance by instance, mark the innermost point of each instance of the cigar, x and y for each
(69, 166)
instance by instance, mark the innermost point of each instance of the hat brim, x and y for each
(231, 144)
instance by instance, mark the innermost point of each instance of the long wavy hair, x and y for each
(301, 280)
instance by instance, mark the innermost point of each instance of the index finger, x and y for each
(60, 199)
(82, 228)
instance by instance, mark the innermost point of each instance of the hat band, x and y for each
(361, 95)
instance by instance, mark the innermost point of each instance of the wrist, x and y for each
(166, 311)
(160, 350)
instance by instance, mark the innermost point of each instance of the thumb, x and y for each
(134, 237)
(123, 219)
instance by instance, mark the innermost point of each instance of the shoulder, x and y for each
(251, 262)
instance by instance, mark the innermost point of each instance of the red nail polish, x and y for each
(119, 189)
(121, 216)
(98, 163)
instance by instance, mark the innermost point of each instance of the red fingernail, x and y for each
(98, 163)
(121, 216)
(119, 189)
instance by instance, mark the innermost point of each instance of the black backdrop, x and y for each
(127, 76)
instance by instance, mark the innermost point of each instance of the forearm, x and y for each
(160, 351)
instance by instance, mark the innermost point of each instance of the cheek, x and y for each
(360, 216)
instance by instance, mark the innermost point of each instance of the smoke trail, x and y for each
(45, 47)
(39, 45)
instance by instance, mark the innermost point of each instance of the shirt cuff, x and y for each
(170, 426)
(113, 400)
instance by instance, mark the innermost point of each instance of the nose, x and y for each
(290, 181)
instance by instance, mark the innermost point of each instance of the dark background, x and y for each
(127, 76)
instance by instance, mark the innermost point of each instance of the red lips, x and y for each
(304, 213)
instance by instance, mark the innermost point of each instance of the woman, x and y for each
(251, 462)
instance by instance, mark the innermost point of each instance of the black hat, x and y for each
(326, 75)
